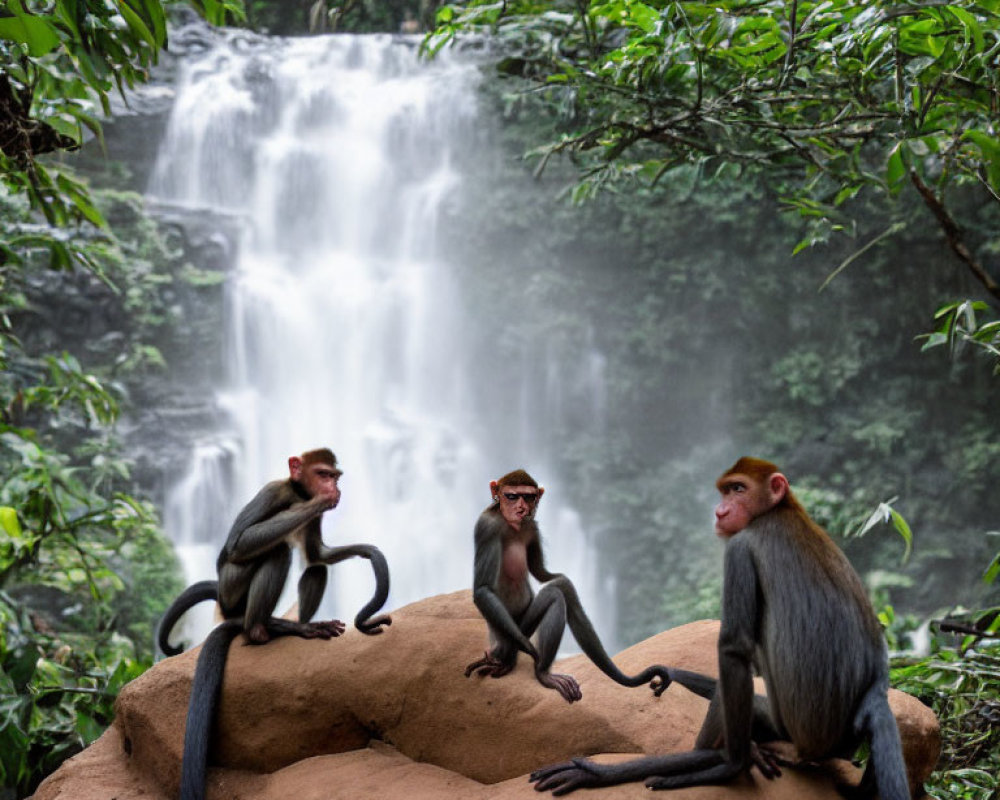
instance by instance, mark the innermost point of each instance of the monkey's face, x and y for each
(742, 499)
(518, 503)
(321, 479)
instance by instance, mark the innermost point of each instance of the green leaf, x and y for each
(886, 513)
(9, 522)
(33, 30)
(992, 571)
(20, 667)
(903, 529)
(989, 147)
(895, 170)
(971, 25)
(88, 727)
(137, 24)
(81, 199)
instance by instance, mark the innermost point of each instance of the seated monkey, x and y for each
(508, 549)
(252, 568)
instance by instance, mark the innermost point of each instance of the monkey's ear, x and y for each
(494, 486)
(295, 468)
(777, 485)
(541, 491)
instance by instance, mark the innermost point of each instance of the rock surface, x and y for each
(391, 716)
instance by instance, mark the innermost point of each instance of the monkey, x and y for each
(507, 548)
(252, 568)
(794, 608)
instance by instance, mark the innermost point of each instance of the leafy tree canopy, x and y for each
(60, 61)
(827, 100)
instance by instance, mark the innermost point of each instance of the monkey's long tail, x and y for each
(364, 621)
(590, 643)
(205, 691)
(194, 594)
(886, 758)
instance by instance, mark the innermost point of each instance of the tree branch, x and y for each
(954, 236)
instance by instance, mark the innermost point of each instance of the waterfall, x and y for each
(340, 156)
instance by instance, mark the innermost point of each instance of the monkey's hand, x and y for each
(488, 666)
(566, 685)
(567, 777)
(373, 626)
(768, 760)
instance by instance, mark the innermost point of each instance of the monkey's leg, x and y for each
(547, 616)
(312, 584)
(763, 729)
(263, 594)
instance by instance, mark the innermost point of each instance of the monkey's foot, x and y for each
(334, 626)
(566, 685)
(277, 626)
(488, 665)
(258, 634)
(319, 630)
(566, 777)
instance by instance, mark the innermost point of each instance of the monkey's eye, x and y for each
(527, 497)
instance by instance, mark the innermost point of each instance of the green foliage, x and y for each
(83, 566)
(964, 691)
(805, 86)
(79, 578)
(58, 693)
(885, 513)
(959, 324)
(712, 343)
(59, 63)
(833, 106)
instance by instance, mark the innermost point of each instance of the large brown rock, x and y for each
(392, 716)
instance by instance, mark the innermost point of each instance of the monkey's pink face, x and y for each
(518, 503)
(739, 504)
(321, 479)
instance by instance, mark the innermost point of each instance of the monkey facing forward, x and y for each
(508, 548)
(792, 606)
(252, 570)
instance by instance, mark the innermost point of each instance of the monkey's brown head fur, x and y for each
(517, 478)
(751, 487)
(321, 455)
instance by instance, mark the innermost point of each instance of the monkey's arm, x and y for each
(737, 639)
(274, 513)
(735, 701)
(486, 576)
(536, 562)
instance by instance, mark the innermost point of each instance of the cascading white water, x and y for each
(344, 325)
